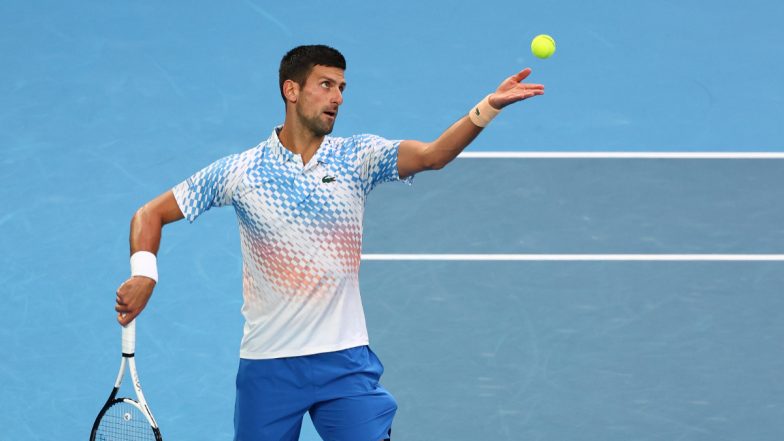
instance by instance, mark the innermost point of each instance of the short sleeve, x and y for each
(378, 160)
(212, 186)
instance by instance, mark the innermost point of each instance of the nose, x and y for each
(337, 97)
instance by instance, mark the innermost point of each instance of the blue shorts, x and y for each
(340, 389)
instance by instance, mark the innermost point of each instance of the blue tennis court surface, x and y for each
(107, 104)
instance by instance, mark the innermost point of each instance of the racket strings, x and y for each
(124, 422)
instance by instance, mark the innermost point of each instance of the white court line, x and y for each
(622, 155)
(579, 257)
(597, 257)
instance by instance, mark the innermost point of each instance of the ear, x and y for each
(291, 90)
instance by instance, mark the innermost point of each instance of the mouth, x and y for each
(331, 114)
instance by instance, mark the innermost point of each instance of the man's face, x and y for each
(319, 99)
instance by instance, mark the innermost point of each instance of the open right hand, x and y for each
(132, 297)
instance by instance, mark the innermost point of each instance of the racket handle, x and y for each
(129, 338)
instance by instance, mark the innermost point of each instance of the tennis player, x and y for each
(299, 197)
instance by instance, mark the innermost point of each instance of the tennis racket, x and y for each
(125, 419)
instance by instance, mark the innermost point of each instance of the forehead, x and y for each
(335, 74)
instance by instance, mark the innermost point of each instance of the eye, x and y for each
(325, 84)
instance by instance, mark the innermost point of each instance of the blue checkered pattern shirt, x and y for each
(301, 234)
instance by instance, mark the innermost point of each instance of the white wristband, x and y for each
(144, 263)
(483, 113)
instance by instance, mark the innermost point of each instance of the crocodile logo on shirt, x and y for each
(327, 179)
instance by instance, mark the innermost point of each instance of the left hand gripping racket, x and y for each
(125, 419)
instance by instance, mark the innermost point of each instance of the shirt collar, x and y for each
(276, 148)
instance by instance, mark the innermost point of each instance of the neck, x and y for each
(299, 139)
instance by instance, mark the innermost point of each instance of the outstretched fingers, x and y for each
(525, 90)
(536, 89)
(523, 94)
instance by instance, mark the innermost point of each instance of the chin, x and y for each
(322, 132)
(326, 130)
(319, 127)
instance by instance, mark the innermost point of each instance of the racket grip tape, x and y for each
(129, 339)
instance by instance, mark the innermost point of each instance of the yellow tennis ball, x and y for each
(543, 46)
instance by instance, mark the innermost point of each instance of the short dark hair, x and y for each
(298, 62)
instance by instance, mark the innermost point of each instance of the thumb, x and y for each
(125, 318)
(523, 74)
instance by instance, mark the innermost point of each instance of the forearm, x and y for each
(453, 141)
(417, 156)
(134, 293)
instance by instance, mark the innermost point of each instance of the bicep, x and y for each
(412, 158)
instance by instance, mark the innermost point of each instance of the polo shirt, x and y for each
(301, 237)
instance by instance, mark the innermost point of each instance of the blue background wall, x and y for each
(198, 75)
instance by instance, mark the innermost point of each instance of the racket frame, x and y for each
(128, 360)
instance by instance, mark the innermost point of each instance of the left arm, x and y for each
(416, 156)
